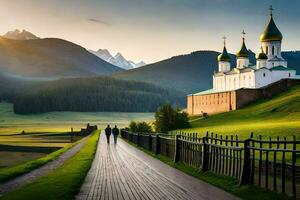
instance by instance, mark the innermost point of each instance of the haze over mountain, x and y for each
(192, 72)
(20, 35)
(117, 60)
(50, 57)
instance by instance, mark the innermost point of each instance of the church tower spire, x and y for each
(243, 54)
(224, 59)
(271, 40)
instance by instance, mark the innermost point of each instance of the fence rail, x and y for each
(266, 163)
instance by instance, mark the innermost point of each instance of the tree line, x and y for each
(94, 94)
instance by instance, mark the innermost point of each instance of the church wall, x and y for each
(278, 87)
(224, 66)
(242, 62)
(278, 75)
(268, 49)
(246, 96)
(263, 77)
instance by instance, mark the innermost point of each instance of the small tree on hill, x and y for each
(168, 118)
(140, 127)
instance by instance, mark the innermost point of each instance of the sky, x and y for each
(153, 30)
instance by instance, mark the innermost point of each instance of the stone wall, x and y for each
(211, 103)
(232, 100)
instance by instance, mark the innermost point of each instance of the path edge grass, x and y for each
(231, 185)
(65, 181)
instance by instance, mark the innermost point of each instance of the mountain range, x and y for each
(50, 57)
(117, 60)
(192, 72)
(20, 35)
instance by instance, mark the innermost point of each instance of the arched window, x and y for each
(264, 74)
(273, 50)
(267, 50)
(289, 74)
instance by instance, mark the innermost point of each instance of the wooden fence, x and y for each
(266, 163)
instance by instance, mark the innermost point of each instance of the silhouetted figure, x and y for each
(108, 133)
(115, 132)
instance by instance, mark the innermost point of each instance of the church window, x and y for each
(264, 74)
(273, 50)
(289, 74)
(267, 50)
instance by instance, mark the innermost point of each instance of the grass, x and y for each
(21, 153)
(54, 139)
(11, 123)
(12, 172)
(231, 185)
(63, 182)
(279, 116)
(9, 159)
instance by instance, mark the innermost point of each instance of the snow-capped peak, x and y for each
(117, 60)
(20, 35)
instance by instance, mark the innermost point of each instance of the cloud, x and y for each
(98, 21)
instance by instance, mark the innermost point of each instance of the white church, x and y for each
(270, 67)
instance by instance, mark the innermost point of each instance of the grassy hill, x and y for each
(50, 57)
(279, 116)
(189, 73)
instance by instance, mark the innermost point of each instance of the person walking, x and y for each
(108, 133)
(115, 132)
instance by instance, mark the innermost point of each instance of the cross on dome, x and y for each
(271, 10)
(224, 38)
(243, 34)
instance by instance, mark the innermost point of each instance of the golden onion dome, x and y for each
(224, 56)
(271, 32)
(243, 52)
(261, 56)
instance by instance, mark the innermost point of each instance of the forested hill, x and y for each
(189, 73)
(94, 94)
(50, 57)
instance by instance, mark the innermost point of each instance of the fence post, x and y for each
(138, 139)
(245, 176)
(157, 149)
(150, 142)
(176, 155)
(205, 154)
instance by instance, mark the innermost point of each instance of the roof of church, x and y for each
(247, 69)
(282, 68)
(224, 56)
(271, 32)
(252, 68)
(210, 91)
(262, 55)
(243, 52)
(276, 59)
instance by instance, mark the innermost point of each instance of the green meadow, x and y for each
(279, 116)
(11, 123)
(63, 182)
(46, 133)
